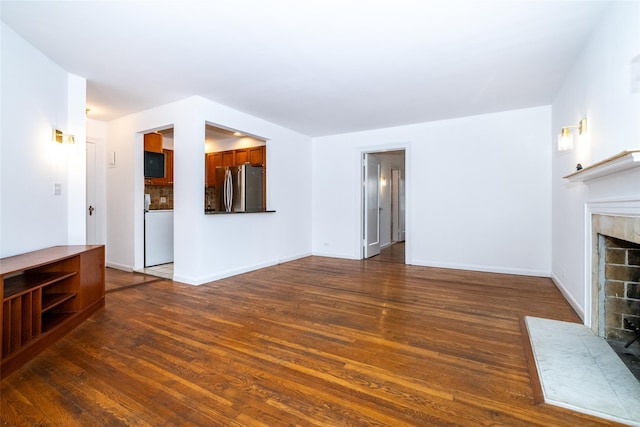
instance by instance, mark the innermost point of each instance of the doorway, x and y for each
(383, 203)
(158, 230)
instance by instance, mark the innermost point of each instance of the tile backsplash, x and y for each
(157, 192)
(209, 198)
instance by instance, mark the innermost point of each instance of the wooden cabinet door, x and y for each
(91, 277)
(242, 156)
(153, 142)
(168, 167)
(213, 160)
(228, 158)
(256, 155)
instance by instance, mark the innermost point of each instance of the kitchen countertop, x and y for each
(212, 212)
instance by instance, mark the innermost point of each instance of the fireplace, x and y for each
(612, 253)
(612, 210)
(610, 249)
(616, 276)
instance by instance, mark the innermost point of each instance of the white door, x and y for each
(371, 205)
(91, 213)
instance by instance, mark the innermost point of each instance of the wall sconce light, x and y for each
(63, 138)
(565, 139)
(383, 181)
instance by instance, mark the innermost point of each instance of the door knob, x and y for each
(91, 209)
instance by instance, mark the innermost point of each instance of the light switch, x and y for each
(57, 189)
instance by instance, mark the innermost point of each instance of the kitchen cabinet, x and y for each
(242, 156)
(168, 166)
(229, 158)
(252, 155)
(45, 294)
(213, 160)
(256, 155)
(153, 142)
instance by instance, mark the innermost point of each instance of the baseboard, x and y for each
(483, 268)
(118, 266)
(196, 281)
(567, 295)
(293, 257)
(333, 255)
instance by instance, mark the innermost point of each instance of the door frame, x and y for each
(381, 149)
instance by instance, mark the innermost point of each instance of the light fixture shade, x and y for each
(63, 138)
(565, 140)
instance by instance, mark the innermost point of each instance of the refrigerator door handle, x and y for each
(226, 190)
(241, 186)
(228, 186)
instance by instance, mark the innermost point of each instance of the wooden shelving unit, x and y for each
(45, 294)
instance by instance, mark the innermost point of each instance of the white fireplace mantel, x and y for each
(624, 161)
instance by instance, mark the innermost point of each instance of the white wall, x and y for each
(598, 87)
(38, 95)
(477, 191)
(77, 160)
(209, 247)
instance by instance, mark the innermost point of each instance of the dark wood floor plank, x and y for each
(316, 341)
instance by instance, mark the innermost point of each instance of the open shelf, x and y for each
(51, 320)
(50, 301)
(23, 283)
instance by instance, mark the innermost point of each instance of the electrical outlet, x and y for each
(163, 200)
(57, 189)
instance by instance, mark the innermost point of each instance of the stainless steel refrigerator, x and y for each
(239, 188)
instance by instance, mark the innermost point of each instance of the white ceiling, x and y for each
(319, 67)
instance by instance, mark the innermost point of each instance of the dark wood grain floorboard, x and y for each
(317, 341)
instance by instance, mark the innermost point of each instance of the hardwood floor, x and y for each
(317, 341)
(393, 253)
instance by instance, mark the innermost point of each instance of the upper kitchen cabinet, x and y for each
(257, 155)
(153, 142)
(213, 160)
(242, 156)
(168, 166)
(228, 158)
